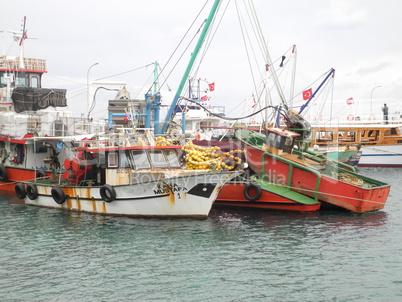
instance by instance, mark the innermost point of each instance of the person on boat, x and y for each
(385, 112)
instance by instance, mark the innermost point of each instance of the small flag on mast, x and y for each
(307, 94)
(349, 101)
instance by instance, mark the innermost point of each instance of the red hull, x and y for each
(330, 190)
(15, 175)
(232, 195)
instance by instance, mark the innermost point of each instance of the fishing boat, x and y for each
(274, 157)
(380, 144)
(136, 178)
(128, 172)
(28, 110)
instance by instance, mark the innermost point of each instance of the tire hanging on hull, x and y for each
(256, 188)
(58, 195)
(107, 193)
(20, 191)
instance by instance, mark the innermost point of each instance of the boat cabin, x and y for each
(121, 165)
(14, 73)
(279, 140)
(363, 134)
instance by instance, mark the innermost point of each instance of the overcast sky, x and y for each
(360, 39)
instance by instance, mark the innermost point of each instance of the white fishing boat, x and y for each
(27, 110)
(113, 178)
(126, 172)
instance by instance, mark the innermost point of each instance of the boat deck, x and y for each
(299, 159)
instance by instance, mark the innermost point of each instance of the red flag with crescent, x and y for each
(307, 94)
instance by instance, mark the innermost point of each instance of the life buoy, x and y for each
(58, 195)
(107, 193)
(351, 117)
(20, 190)
(3, 173)
(32, 191)
(253, 187)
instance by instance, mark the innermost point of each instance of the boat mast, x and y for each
(171, 112)
(23, 37)
(292, 87)
(153, 103)
(269, 64)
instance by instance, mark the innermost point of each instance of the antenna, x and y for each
(21, 36)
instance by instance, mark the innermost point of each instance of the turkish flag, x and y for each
(204, 98)
(211, 86)
(307, 94)
(126, 118)
(349, 101)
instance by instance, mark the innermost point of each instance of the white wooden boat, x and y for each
(136, 180)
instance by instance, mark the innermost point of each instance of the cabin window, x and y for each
(21, 81)
(288, 146)
(189, 125)
(40, 147)
(275, 140)
(140, 159)
(172, 158)
(124, 161)
(3, 82)
(112, 159)
(34, 82)
(369, 135)
(324, 136)
(347, 136)
(158, 159)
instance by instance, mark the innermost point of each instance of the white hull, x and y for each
(382, 155)
(189, 196)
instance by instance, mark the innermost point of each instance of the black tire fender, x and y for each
(255, 187)
(58, 195)
(107, 193)
(20, 190)
(3, 173)
(32, 191)
(40, 173)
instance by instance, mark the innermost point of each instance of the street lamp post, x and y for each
(371, 100)
(88, 100)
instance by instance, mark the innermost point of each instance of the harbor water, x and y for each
(54, 255)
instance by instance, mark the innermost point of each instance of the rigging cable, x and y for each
(227, 118)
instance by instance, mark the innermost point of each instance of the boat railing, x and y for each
(291, 165)
(13, 63)
(48, 124)
(122, 137)
(351, 120)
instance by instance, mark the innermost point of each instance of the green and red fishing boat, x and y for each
(278, 156)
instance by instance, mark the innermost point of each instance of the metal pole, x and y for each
(371, 100)
(88, 100)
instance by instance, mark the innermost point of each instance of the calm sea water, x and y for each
(53, 255)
